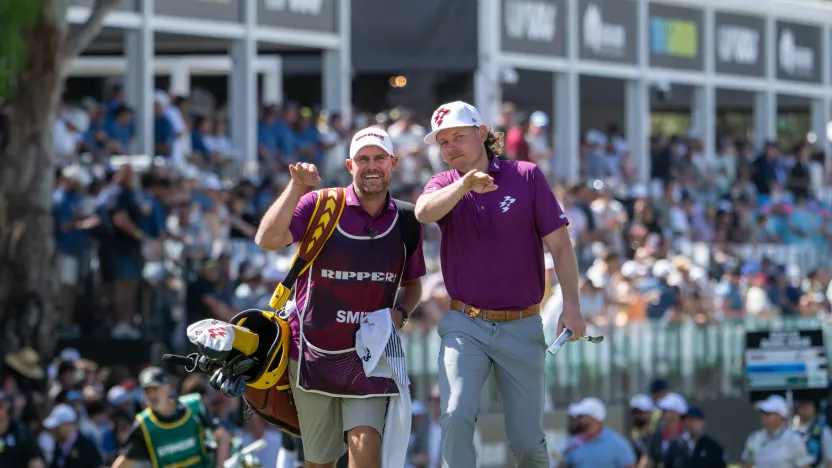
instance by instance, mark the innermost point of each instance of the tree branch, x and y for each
(76, 43)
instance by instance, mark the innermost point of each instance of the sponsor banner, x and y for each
(607, 30)
(534, 27)
(740, 45)
(798, 52)
(307, 15)
(676, 37)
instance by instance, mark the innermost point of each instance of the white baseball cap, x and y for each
(674, 402)
(452, 115)
(592, 407)
(371, 136)
(774, 404)
(60, 414)
(641, 402)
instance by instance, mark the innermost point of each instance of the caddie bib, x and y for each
(179, 444)
(352, 276)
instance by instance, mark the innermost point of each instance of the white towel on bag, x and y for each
(380, 349)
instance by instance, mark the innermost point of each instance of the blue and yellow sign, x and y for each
(676, 37)
(673, 37)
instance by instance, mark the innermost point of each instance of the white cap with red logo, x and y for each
(452, 115)
(371, 136)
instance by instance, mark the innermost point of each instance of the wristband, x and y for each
(405, 315)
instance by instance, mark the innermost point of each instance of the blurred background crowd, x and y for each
(718, 234)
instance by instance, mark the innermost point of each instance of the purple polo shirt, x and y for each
(492, 247)
(354, 221)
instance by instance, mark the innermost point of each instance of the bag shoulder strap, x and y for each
(410, 226)
(324, 220)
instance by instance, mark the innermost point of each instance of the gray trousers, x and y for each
(469, 349)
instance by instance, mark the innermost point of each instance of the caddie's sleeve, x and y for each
(302, 215)
(415, 266)
(548, 215)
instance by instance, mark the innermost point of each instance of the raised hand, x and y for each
(305, 174)
(478, 182)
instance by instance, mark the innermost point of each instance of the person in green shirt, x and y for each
(172, 432)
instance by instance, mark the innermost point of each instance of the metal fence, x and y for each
(701, 361)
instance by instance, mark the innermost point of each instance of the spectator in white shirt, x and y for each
(174, 113)
(775, 445)
(68, 134)
(611, 216)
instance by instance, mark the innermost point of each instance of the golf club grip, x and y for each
(184, 361)
(190, 363)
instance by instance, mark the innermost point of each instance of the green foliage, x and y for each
(15, 17)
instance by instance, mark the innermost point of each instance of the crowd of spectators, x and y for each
(182, 228)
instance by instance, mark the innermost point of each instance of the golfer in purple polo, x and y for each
(495, 217)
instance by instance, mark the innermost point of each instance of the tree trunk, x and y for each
(27, 245)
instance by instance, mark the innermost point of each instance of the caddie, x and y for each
(360, 252)
(362, 268)
(494, 217)
(172, 431)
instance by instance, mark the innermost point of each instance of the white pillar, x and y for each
(821, 111)
(765, 117)
(765, 103)
(567, 126)
(139, 78)
(567, 105)
(704, 97)
(637, 100)
(487, 82)
(243, 86)
(704, 115)
(273, 81)
(637, 112)
(180, 79)
(820, 119)
(337, 67)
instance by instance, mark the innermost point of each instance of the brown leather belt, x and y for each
(495, 315)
